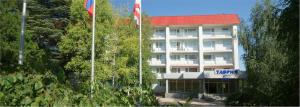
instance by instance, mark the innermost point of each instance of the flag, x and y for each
(136, 11)
(88, 4)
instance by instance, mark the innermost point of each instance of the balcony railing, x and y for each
(158, 36)
(157, 62)
(217, 34)
(158, 49)
(184, 36)
(191, 49)
(184, 62)
(219, 62)
(211, 49)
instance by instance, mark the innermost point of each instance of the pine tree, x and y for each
(46, 22)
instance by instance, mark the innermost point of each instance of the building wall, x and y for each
(186, 53)
(203, 46)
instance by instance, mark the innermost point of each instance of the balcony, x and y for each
(157, 62)
(217, 45)
(179, 37)
(158, 50)
(184, 33)
(219, 49)
(158, 37)
(218, 63)
(194, 62)
(217, 35)
(184, 50)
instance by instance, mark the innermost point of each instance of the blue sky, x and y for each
(193, 7)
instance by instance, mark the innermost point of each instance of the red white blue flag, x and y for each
(89, 6)
(136, 11)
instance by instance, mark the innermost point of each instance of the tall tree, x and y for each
(46, 22)
(116, 55)
(76, 44)
(289, 35)
(270, 56)
(33, 83)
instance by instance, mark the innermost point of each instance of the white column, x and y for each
(167, 86)
(168, 50)
(200, 39)
(235, 47)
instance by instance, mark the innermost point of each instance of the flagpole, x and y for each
(21, 50)
(93, 50)
(140, 46)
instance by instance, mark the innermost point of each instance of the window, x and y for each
(175, 70)
(196, 85)
(158, 57)
(160, 70)
(188, 85)
(180, 85)
(207, 30)
(227, 43)
(225, 29)
(209, 44)
(174, 32)
(179, 46)
(162, 83)
(158, 44)
(173, 85)
(190, 31)
(159, 32)
(193, 70)
(207, 57)
(227, 58)
(175, 57)
(191, 57)
(190, 69)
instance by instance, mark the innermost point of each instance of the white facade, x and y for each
(191, 54)
(200, 46)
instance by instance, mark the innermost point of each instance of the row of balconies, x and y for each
(190, 63)
(191, 50)
(192, 46)
(206, 35)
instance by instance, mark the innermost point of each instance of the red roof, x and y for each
(226, 19)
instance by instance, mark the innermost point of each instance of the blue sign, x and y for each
(226, 71)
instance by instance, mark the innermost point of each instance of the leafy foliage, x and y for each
(273, 76)
(41, 81)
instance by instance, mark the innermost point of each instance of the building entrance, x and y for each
(219, 86)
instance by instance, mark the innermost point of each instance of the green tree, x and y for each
(33, 83)
(46, 22)
(270, 56)
(116, 55)
(41, 82)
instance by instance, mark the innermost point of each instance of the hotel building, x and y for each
(195, 55)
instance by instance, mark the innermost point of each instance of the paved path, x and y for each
(194, 102)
